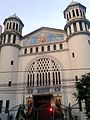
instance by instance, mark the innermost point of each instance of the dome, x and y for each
(14, 16)
(74, 3)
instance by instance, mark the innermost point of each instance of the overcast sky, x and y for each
(38, 13)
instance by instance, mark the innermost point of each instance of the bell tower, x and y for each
(78, 36)
(12, 30)
(10, 45)
(75, 15)
(9, 54)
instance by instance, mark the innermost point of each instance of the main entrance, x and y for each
(41, 107)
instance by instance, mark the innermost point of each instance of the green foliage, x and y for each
(83, 91)
(58, 114)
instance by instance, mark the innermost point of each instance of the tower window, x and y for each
(9, 38)
(7, 106)
(12, 62)
(17, 26)
(83, 14)
(73, 12)
(69, 15)
(77, 12)
(80, 24)
(4, 38)
(20, 29)
(7, 25)
(75, 27)
(86, 26)
(14, 25)
(1, 41)
(73, 55)
(25, 51)
(61, 46)
(10, 25)
(80, 12)
(70, 29)
(14, 39)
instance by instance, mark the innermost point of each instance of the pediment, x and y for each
(43, 35)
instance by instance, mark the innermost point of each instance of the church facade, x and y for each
(45, 63)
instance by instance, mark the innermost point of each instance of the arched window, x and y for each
(77, 12)
(31, 50)
(10, 25)
(70, 29)
(25, 51)
(81, 12)
(9, 38)
(7, 25)
(36, 49)
(4, 38)
(80, 25)
(20, 29)
(14, 39)
(61, 46)
(43, 72)
(73, 12)
(86, 27)
(48, 48)
(69, 15)
(54, 47)
(74, 27)
(42, 48)
(16, 26)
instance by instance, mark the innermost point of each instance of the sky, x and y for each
(38, 13)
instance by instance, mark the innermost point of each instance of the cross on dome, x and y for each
(14, 14)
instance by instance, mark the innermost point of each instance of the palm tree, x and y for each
(83, 92)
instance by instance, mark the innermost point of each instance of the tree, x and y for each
(83, 92)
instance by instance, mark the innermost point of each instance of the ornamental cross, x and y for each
(15, 14)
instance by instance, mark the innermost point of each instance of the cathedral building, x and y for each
(42, 66)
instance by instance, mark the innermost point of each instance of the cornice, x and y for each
(77, 33)
(77, 20)
(10, 44)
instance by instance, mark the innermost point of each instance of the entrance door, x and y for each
(41, 107)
